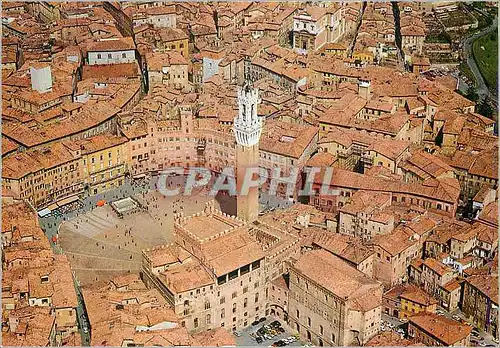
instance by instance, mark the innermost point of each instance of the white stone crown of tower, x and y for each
(247, 124)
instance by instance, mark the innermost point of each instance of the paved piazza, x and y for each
(100, 245)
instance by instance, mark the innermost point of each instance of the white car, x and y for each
(456, 317)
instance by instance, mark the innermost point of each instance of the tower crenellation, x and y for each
(247, 123)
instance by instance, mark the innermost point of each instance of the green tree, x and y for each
(484, 108)
(472, 94)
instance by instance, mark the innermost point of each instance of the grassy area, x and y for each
(464, 68)
(487, 58)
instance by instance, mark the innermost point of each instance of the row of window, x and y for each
(110, 56)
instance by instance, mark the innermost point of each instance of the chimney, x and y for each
(41, 79)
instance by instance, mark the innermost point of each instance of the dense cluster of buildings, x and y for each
(97, 94)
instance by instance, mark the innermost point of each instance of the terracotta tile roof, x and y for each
(21, 164)
(489, 214)
(415, 294)
(395, 242)
(8, 146)
(390, 148)
(486, 284)
(486, 164)
(437, 266)
(218, 337)
(96, 143)
(171, 34)
(452, 285)
(367, 202)
(394, 292)
(476, 139)
(162, 256)
(110, 71)
(114, 44)
(345, 247)
(441, 328)
(185, 277)
(322, 159)
(286, 139)
(159, 10)
(349, 283)
(156, 61)
(426, 165)
(487, 234)
(90, 116)
(446, 190)
(35, 327)
(232, 251)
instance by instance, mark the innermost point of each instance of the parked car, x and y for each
(456, 317)
(255, 323)
(237, 333)
(258, 339)
(275, 324)
(262, 319)
(281, 330)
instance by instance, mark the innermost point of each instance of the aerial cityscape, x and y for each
(302, 173)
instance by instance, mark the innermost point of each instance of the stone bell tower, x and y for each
(247, 130)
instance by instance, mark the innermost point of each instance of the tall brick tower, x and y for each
(247, 130)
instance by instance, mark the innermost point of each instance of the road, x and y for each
(482, 89)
